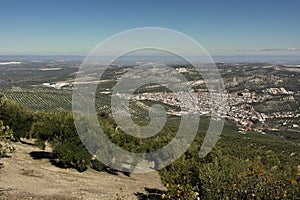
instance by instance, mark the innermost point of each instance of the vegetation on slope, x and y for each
(241, 166)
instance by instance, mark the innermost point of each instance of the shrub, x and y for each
(16, 117)
(6, 136)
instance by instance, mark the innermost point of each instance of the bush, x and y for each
(72, 154)
(6, 136)
(16, 117)
(220, 176)
(97, 165)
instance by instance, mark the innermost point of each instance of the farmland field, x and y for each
(40, 98)
(47, 99)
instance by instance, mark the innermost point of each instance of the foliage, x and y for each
(72, 153)
(97, 165)
(238, 168)
(59, 130)
(251, 166)
(41, 99)
(6, 136)
(16, 117)
(256, 168)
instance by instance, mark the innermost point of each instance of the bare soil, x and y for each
(24, 177)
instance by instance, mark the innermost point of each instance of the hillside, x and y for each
(29, 174)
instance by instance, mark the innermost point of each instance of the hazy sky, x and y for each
(222, 27)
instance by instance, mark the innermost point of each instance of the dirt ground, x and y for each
(23, 177)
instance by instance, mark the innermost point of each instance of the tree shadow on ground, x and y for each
(151, 194)
(115, 172)
(38, 155)
(27, 143)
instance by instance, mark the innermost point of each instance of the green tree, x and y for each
(59, 130)
(16, 117)
(6, 136)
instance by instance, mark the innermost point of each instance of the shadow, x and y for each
(111, 171)
(59, 164)
(126, 174)
(27, 143)
(4, 190)
(6, 156)
(151, 194)
(37, 155)
(116, 172)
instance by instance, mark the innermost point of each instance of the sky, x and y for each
(222, 27)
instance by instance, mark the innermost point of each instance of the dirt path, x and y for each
(26, 178)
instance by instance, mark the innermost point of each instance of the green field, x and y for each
(53, 100)
(41, 99)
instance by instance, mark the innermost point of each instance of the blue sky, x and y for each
(222, 27)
